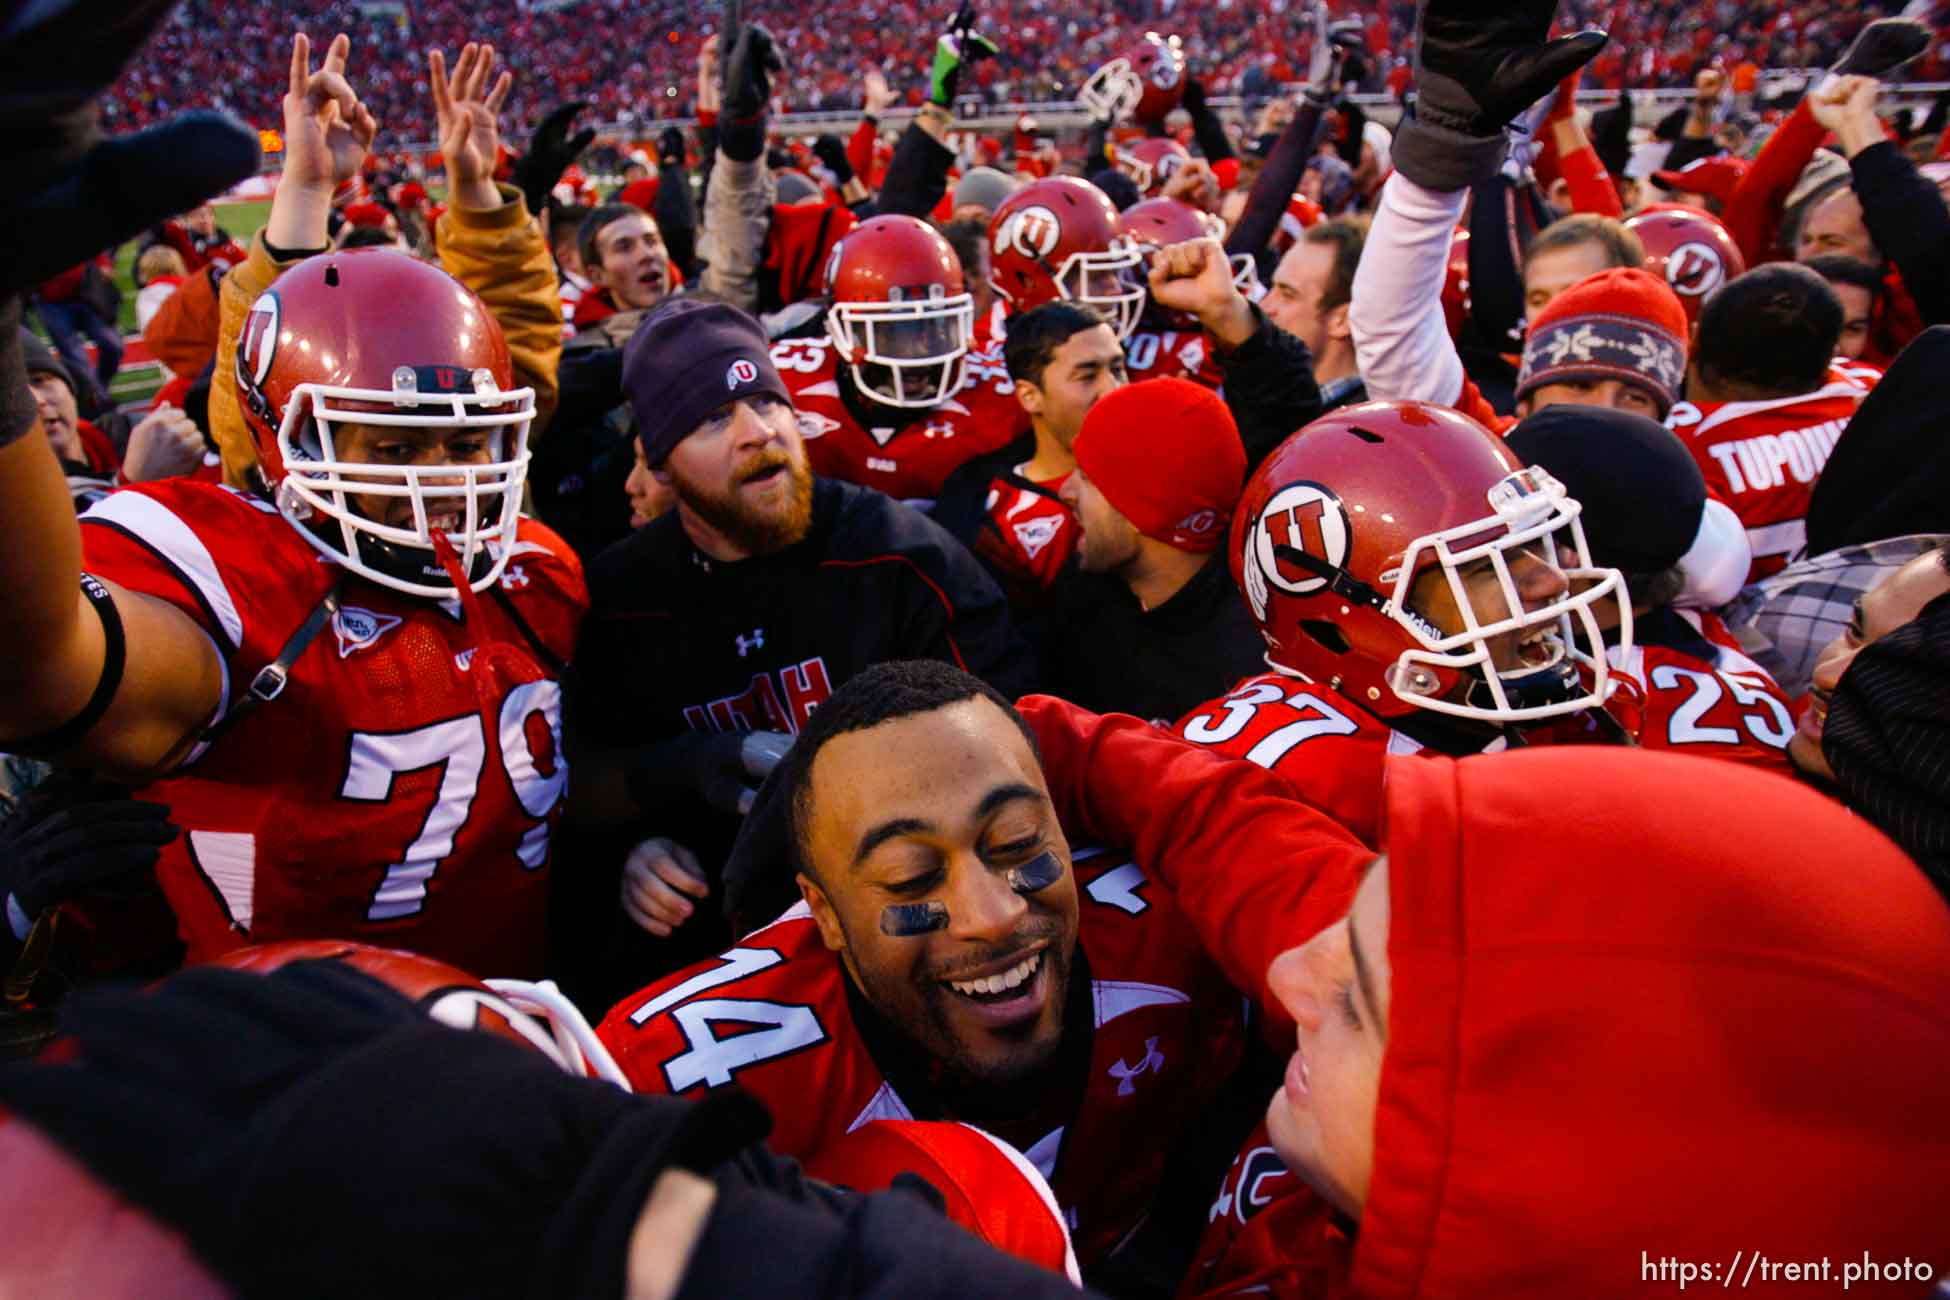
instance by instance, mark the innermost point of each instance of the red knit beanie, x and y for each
(1617, 324)
(1166, 455)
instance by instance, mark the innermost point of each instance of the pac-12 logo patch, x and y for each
(1032, 232)
(741, 371)
(1300, 517)
(359, 628)
(1695, 270)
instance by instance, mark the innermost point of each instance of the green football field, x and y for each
(138, 383)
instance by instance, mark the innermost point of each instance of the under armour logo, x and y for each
(747, 644)
(514, 579)
(1152, 1062)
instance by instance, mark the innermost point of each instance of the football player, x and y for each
(1766, 401)
(953, 956)
(343, 683)
(1058, 238)
(893, 398)
(1417, 588)
(1005, 506)
(1686, 683)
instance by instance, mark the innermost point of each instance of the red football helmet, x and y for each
(1057, 238)
(1144, 83)
(1336, 526)
(535, 1015)
(987, 1186)
(1150, 162)
(900, 315)
(1154, 223)
(1691, 249)
(375, 337)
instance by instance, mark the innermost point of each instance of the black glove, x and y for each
(313, 1134)
(748, 93)
(71, 837)
(550, 151)
(71, 193)
(832, 153)
(1476, 68)
(748, 76)
(671, 151)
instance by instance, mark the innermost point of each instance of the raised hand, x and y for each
(709, 90)
(327, 132)
(467, 106)
(876, 95)
(1196, 278)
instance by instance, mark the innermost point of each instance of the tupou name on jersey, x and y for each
(1764, 462)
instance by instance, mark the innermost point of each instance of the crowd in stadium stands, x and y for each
(630, 58)
(1192, 699)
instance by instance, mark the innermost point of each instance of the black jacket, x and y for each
(1269, 388)
(1104, 652)
(675, 640)
(1910, 223)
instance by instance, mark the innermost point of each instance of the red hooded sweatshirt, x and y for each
(1647, 1010)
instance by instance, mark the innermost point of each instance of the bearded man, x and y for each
(716, 629)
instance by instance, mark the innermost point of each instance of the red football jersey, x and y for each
(909, 462)
(1267, 1234)
(1687, 685)
(1327, 749)
(1762, 458)
(1029, 534)
(773, 1016)
(401, 788)
(1183, 354)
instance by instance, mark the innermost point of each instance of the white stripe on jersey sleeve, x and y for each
(159, 528)
(1114, 998)
(229, 860)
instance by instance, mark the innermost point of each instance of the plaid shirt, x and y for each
(1785, 621)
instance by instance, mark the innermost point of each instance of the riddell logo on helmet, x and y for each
(742, 371)
(1695, 270)
(1032, 232)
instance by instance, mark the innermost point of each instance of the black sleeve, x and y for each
(1353, 121)
(707, 150)
(1094, 156)
(958, 614)
(1277, 182)
(1210, 132)
(1907, 218)
(918, 175)
(1269, 387)
(677, 217)
(1503, 218)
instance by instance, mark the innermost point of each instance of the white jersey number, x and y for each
(713, 1060)
(458, 746)
(1773, 729)
(1318, 719)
